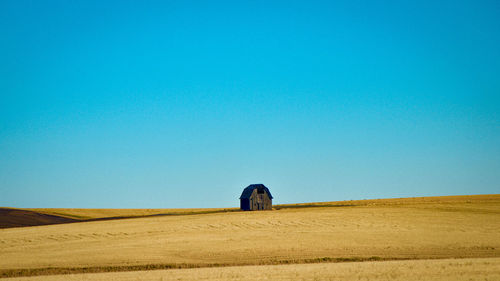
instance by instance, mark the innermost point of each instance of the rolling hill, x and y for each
(368, 231)
(10, 217)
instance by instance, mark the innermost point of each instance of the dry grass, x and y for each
(449, 227)
(147, 267)
(93, 214)
(446, 269)
(89, 214)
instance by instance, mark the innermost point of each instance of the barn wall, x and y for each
(253, 200)
(260, 201)
(245, 204)
(267, 202)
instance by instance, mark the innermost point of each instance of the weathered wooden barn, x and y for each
(256, 197)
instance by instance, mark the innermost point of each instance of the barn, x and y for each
(256, 197)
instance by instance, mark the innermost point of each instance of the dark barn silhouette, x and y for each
(256, 197)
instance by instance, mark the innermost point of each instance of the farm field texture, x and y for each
(90, 214)
(445, 269)
(391, 229)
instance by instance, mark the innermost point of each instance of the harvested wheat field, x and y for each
(445, 269)
(102, 214)
(368, 231)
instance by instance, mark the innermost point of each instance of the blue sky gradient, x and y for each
(171, 104)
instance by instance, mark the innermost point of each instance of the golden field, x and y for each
(373, 231)
(93, 214)
(444, 269)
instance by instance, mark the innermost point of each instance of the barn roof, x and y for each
(249, 189)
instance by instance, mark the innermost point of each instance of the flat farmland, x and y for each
(368, 230)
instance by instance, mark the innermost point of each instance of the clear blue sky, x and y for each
(159, 104)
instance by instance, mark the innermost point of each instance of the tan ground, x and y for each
(445, 269)
(86, 214)
(449, 227)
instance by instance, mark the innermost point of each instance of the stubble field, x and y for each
(371, 234)
(442, 269)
